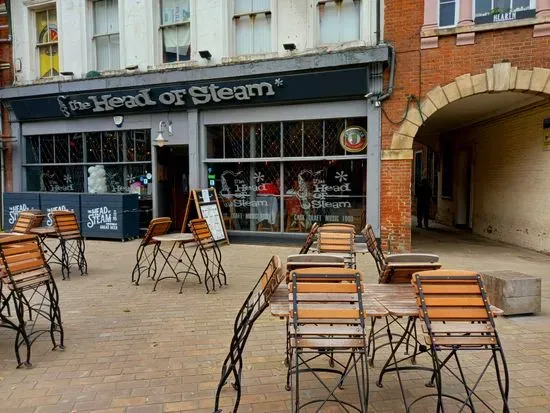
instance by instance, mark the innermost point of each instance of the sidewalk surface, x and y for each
(131, 350)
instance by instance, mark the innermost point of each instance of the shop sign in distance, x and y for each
(353, 139)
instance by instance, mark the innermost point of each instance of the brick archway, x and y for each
(502, 77)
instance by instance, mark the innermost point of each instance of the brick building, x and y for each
(6, 79)
(470, 111)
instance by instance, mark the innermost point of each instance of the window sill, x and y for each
(483, 27)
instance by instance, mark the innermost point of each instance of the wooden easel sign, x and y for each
(207, 206)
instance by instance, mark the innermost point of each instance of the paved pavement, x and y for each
(131, 350)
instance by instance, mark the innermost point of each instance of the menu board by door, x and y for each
(208, 207)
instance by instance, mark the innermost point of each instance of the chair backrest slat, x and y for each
(22, 261)
(157, 226)
(65, 223)
(201, 233)
(26, 221)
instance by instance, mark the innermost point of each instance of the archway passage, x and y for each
(483, 142)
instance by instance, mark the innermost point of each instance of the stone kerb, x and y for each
(502, 77)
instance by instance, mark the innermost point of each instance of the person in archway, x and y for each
(423, 198)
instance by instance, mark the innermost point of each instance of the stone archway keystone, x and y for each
(502, 77)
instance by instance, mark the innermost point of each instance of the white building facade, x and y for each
(262, 99)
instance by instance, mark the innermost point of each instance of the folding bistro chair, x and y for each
(310, 238)
(327, 318)
(254, 305)
(210, 253)
(397, 268)
(71, 242)
(148, 248)
(27, 282)
(26, 220)
(337, 240)
(458, 319)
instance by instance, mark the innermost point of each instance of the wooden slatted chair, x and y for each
(27, 282)
(310, 238)
(400, 267)
(294, 262)
(26, 220)
(148, 248)
(457, 318)
(254, 305)
(327, 317)
(210, 253)
(71, 242)
(337, 240)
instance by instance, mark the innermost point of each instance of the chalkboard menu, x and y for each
(207, 207)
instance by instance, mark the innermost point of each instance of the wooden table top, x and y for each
(175, 237)
(379, 300)
(279, 304)
(43, 231)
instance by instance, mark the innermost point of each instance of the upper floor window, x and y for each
(106, 34)
(176, 30)
(252, 20)
(448, 13)
(339, 20)
(494, 7)
(46, 43)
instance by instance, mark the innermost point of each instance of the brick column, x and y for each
(542, 28)
(430, 22)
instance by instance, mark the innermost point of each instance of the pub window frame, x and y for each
(318, 8)
(106, 35)
(251, 14)
(177, 25)
(48, 44)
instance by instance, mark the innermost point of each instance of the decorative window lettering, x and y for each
(496, 11)
(14, 211)
(47, 43)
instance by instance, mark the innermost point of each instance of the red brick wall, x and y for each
(419, 71)
(6, 79)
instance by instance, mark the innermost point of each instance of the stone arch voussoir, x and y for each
(501, 77)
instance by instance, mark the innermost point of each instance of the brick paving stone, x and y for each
(133, 351)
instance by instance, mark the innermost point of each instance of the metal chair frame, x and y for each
(254, 305)
(30, 287)
(310, 238)
(71, 243)
(342, 332)
(457, 317)
(147, 250)
(210, 253)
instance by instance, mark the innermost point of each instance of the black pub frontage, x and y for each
(285, 142)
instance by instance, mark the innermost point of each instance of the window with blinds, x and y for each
(106, 35)
(339, 21)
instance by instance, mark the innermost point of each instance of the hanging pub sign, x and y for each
(328, 85)
(353, 139)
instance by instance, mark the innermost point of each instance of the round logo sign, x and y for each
(353, 139)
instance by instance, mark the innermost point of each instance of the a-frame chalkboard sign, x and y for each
(207, 206)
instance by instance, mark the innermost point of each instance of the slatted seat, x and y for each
(457, 316)
(31, 288)
(327, 317)
(400, 267)
(210, 253)
(254, 305)
(71, 242)
(148, 248)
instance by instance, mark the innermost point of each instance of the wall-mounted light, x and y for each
(205, 54)
(118, 120)
(289, 46)
(159, 140)
(67, 74)
(133, 67)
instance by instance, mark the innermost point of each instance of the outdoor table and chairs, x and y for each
(172, 258)
(27, 285)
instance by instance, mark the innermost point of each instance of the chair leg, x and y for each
(64, 259)
(21, 336)
(137, 268)
(82, 263)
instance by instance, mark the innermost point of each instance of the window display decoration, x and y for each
(97, 183)
(353, 139)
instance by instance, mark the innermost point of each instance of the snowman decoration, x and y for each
(97, 183)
